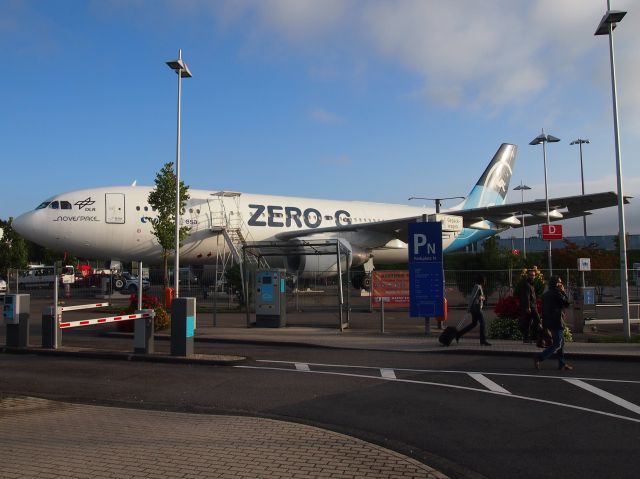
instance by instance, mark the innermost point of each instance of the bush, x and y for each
(504, 328)
(507, 307)
(160, 322)
(508, 328)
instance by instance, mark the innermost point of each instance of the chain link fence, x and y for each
(310, 293)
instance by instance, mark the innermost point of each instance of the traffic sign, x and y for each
(551, 232)
(584, 264)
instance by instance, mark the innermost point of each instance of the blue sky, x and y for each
(375, 100)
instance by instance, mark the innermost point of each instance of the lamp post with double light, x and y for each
(543, 139)
(182, 71)
(522, 188)
(581, 142)
(606, 26)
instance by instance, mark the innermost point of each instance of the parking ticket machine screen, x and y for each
(8, 311)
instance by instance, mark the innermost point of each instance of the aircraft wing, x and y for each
(536, 211)
(502, 216)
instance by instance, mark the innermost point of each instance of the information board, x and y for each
(426, 274)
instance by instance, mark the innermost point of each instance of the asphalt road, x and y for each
(468, 416)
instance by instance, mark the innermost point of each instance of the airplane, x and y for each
(112, 222)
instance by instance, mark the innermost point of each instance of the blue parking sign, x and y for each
(426, 274)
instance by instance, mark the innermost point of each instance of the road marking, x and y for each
(451, 386)
(488, 383)
(302, 367)
(452, 371)
(387, 373)
(604, 394)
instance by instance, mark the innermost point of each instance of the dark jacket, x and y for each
(554, 301)
(527, 298)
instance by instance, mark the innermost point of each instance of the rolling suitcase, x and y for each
(450, 332)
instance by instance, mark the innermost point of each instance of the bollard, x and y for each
(183, 324)
(427, 326)
(51, 333)
(16, 312)
(143, 341)
(382, 315)
(168, 297)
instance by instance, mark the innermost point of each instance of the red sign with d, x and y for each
(551, 232)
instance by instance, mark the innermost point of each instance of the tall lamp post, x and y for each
(605, 27)
(522, 188)
(182, 71)
(438, 201)
(544, 139)
(581, 142)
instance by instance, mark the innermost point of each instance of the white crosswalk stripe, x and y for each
(604, 394)
(387, 373)
(488, 383)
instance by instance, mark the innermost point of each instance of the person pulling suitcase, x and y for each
(475, 308)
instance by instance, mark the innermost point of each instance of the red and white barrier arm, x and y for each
(82, 306)
(111, 319)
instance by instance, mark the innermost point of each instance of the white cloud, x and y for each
(324, 116)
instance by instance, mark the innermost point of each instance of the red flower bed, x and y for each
(507, 307)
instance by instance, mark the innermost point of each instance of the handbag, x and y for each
(544, 338)
(475, 304)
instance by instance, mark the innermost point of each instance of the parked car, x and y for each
(129, 282)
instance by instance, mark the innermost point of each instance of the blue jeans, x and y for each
(558, 345)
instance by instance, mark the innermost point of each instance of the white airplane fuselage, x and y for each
(112, 223)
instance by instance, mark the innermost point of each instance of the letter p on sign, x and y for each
(419, 240)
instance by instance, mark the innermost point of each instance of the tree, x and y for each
(163, 201)
(13, 248)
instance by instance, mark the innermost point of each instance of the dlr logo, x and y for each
(419, 241)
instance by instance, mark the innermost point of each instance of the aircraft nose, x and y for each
(23, 225)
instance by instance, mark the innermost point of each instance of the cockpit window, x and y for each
(65, 205)
(42, 205)
(54, 205)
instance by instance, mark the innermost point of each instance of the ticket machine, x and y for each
(271, 299)
(16, 312)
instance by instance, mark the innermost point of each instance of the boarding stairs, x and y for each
(225, 220)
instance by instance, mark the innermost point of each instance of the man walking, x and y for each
(554, 300)
(529, 317)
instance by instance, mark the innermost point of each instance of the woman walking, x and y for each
(475, 308)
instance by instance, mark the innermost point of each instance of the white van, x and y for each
(40, 276)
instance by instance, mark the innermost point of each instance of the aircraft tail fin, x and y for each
(492, 187)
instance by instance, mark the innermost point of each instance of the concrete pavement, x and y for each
(48, 439)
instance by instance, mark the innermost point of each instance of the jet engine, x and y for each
(307, 263)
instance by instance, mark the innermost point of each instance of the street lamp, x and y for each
(522, 188)
(580, 142)
(437, 200)
(544, 139)
(183, 72)
(605, 27)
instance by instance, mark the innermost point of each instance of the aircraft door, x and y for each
(114, 208)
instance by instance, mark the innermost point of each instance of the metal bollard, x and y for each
(143, 341)
(51, 333)
(183, 324)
